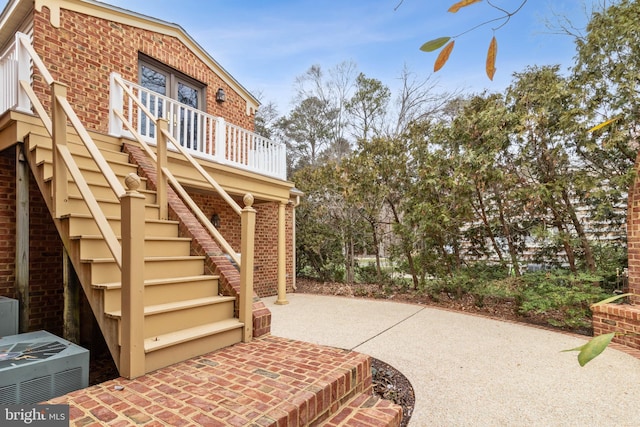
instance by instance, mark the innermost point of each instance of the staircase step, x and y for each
(94, 246)
(77, 205)
(167, 349)
(106, 143)
(365, 410)
(44, 154)
(91, 173)
(161, 291)
(80, 224)
(165, 318)
(105, 270)
(101, 190)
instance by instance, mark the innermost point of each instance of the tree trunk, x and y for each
(512, 247)
(584, 241)
(405, 248)
(483, 215)
(568, 249)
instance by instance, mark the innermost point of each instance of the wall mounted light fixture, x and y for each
(220, 96)
(215, 220)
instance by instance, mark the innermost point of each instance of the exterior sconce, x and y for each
(215, 220)
(220, 96)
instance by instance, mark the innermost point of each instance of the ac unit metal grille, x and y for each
(67, 381)
(39, 366)
(35, 390)
(9, 394)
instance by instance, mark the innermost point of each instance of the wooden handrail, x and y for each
(104, 167)
(101, 220)
(174, 182)
(37, 105)
(227, 198)
(103, 225)
(26, 43)
(247, 214)
(201, 216)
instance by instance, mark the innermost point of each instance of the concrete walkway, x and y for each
(472, 371)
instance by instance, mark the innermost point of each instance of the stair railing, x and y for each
(165, 177)
(131, 363)
(203, 135)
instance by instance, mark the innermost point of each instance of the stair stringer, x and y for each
(202, 243)
(108, 327)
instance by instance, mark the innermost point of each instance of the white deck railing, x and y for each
(203, 135)
(8, 79)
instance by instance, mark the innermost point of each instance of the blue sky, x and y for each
(266, 44)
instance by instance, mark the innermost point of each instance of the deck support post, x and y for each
(248, 220)
(132, 355)
(71, 311)
(282, 255)
(22, 237)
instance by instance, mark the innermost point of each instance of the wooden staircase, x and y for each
(184, 313)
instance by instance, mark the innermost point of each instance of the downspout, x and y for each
(295, 202)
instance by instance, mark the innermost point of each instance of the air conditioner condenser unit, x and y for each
(39, 366)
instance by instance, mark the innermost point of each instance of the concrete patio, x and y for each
(469, 370)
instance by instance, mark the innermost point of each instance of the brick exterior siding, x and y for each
(85, 50)
(8, 223)
(266, 244)
(45, 253)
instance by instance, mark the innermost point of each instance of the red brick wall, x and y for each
(45, 253)
(625, 317)
(618, 318)
(266, 249)
(7, 223)
(85, 50)
(633, 233)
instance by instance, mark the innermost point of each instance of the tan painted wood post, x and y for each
(161, 186)
(282, 255)
(71, 310)
(248, 220)
(59, 121)
(22, 238)
(132, 356)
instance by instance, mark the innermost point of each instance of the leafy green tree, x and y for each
(368, 107)
(319, 242)
(542, 100)
(482, 128)
(307, 130)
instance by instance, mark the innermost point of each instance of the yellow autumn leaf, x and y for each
(491, 58)
(603, 124)
(462, 3)
(443, 56)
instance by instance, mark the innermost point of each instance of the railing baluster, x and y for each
(205, 135)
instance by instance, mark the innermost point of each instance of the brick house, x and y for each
(129, 168)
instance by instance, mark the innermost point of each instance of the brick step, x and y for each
(270, 381)
(365, 410)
